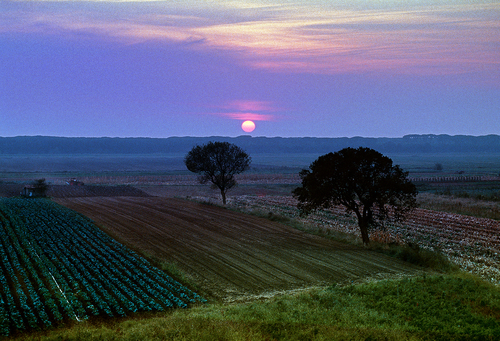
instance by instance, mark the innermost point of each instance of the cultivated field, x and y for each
(230, 255)
(470, 242)
(55, 265)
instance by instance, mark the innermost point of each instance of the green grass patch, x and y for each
(413, 254)
(458, 307)
(438, 307)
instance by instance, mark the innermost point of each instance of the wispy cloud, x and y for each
(243, 116)
(249, 110)
(249, 105)
(445, 37)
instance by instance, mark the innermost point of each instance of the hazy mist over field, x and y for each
(416, 153)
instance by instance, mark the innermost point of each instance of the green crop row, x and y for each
(57, 265)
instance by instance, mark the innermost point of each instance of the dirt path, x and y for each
(232, 255)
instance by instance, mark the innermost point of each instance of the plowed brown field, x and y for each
(232, 255)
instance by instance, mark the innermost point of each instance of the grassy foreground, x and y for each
(437, 307)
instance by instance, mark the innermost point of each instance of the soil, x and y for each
(230, 255)
(62, 191)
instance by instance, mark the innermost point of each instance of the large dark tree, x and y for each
(218, 162)
(363, 181)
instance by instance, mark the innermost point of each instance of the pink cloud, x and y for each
(249, 105)
(248, 116)
(249, 110)
(447, 37)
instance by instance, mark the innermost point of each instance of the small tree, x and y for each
(218, 162)
(363, 181)
(40, 188)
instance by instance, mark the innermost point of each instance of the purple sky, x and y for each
(296, 68)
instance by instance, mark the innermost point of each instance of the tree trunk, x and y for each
(363, 223)
(223, 193)
(363, 226)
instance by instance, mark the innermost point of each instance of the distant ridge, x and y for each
(141, 145)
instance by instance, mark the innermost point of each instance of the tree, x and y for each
(363, 181)
(438, 167)
(218, 162)
(40, 188)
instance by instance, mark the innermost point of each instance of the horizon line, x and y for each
(249, 136)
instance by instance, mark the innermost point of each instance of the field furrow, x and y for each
(231, 254)
(470, 242)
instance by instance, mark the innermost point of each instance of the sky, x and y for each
(331, 68)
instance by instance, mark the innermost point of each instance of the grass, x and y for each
(438, 307)
(413, 254)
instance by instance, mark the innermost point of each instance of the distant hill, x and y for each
(253, 145)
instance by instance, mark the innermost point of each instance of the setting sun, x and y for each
(248, 126)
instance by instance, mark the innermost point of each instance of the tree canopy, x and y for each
(363, 181)
(218, 162)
